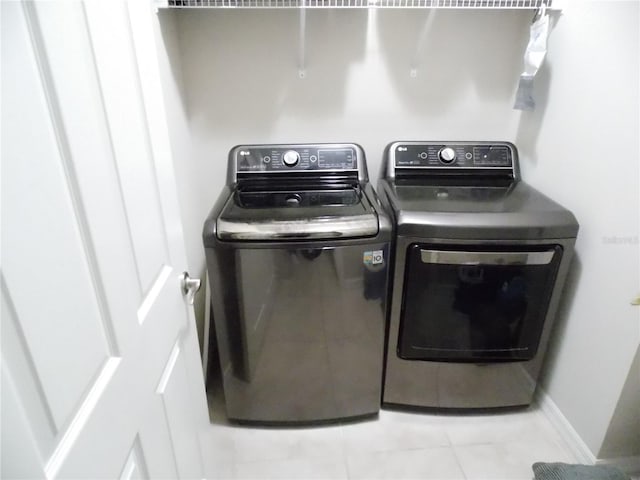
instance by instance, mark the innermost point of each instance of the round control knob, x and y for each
(447, 155)
(291, 158)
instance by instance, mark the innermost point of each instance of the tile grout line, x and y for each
(458, 462)
(345, 454)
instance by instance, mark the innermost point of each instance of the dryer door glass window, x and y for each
(464, 304)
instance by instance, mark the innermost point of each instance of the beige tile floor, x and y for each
(396, 445)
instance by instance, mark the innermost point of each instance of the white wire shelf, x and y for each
(450, 4)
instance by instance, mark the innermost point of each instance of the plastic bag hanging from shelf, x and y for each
(533, 58)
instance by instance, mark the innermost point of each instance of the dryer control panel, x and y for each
(454, 155)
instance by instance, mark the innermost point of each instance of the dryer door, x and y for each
(470, 304)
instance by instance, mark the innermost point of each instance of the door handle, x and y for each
(189, 287)
(448, 257)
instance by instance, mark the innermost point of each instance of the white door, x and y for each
(100, 368)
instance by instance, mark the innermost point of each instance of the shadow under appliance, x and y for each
(480, 262)
(297, 250)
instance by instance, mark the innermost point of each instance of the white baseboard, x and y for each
(629, 465)
(574, 442)
(579, 449)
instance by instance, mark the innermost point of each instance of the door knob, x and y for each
(189, 287)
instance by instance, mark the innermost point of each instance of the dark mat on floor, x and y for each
(564, 471)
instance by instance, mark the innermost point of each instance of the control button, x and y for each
(313, 159)
(442, 194)
(291, 158)
(468, 155)
(447, 155)
(266, 159)
(423, 155)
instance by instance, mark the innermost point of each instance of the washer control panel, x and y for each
(265, 159)
(453, 155)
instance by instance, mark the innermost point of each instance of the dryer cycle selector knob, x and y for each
(291, 158)
(447, 155)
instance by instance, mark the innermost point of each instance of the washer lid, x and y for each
(296, 216)
(512, 210)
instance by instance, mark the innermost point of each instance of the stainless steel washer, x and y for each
(480, 262)
(297, 250)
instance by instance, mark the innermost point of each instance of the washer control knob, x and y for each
(447, 155)
(291, 158)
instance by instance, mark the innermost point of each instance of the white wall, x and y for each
(241, 85)
(241, 77)
(623, 436)
(582, 147)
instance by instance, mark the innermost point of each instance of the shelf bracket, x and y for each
(557, 6)
(302, 47)
(413, 67)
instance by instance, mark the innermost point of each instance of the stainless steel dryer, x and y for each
(297, 250)
(480, 262)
